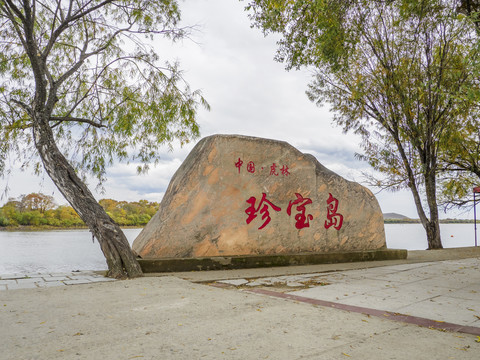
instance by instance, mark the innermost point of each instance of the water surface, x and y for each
(69, 250)
(413, 237)
(52, 251)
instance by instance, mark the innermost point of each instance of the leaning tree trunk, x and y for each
(120, 259)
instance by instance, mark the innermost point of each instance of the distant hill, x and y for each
(395, 216)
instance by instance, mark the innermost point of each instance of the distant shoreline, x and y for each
(417, 221)
(52, 228)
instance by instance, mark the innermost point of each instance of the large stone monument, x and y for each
(238, 195)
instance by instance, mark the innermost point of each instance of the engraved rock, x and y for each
(238, 195)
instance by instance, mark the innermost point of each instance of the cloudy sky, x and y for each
(249, 94)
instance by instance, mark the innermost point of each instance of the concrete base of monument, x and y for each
(259, 261)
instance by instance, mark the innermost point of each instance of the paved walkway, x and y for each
(37, 280)
(446, 292)
(312, 312)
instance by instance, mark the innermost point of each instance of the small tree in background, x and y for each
(36, 201)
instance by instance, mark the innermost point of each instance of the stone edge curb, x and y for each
(262, 261)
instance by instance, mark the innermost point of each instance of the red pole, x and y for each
(475, 216)
(475, 191)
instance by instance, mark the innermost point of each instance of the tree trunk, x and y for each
(432, 227)
(120, 259)
(431, 224)
(433, 235)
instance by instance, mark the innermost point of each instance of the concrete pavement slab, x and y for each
(49, 277)
(370, 301)
(28, 280)
(16, 286)
(470, 292)
(32, 275)
(444, 308)
(382, 348)
(412, 292)
(77, 282)
(235, 282)
(405, 267)
(450, 281)
(339, 291)
(33, 280)
(12, 276)
(405, 276)
(49, 284)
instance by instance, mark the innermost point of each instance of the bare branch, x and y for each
(10, 12)
(15, 9)
(24, 106)
(68, 21)
(84, 55)
(60, 119)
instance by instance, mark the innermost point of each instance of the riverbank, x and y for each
(417, 221)
(177, 317)
(47, 227)
(40, 228)
(54, 228)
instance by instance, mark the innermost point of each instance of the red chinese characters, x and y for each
(275, 169)
(239, 164)
(262, 207)
(251, 167)
(303, 220)
(333, 218)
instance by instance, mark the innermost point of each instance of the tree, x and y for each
(82, 87)
(9, 210)
(460, 162)
(35, 201)
(399, 73)
(470, 8)
(461, 158)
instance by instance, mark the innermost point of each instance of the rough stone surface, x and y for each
(237, 195)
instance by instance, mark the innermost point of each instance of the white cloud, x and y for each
(125, 184)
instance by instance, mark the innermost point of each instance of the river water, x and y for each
(68, 250)
(52, 251)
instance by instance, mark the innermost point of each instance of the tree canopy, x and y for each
(402, 74)
(109, 94)
(461, 165)
(82, 86)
